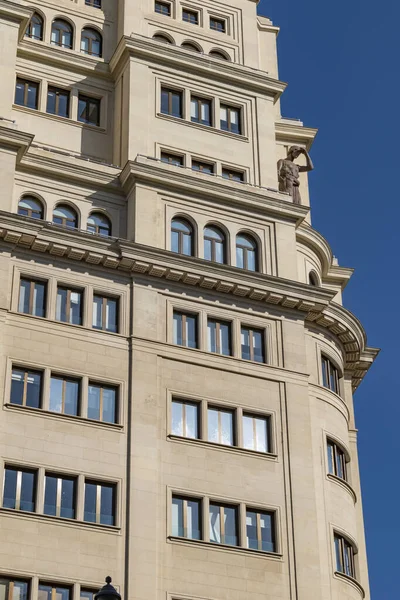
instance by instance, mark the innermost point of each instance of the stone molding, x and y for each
(314, 304)
(229, 73)
(13, 139)
(295, 133)
(16, 12)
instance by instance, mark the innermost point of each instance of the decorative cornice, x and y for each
(183, 61)
(149, 170)
(295, 133)
(17, 13)
(315, 304)
(63, 58)
(13, 139)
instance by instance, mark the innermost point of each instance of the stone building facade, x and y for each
(176, 366)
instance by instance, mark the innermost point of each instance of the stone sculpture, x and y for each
(288, 172)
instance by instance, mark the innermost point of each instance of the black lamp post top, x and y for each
(107, 592)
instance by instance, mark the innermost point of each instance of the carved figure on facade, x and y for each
(288, 172)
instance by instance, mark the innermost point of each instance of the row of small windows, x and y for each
(191, 46)
(19, 589)
(190, 16)
(32, 300)
(64, 215)
(201, 111)
(62, 34)
(64, 395)
(215, 244)
(20, 492)
(58, 101)
(208, 168)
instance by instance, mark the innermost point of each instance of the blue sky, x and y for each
(341, 60)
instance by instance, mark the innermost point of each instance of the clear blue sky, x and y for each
(341, 60)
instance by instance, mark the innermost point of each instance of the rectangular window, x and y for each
(94, 3)
(260, 530)
(256, 433)
(69, 306)
(330, 375)
(252, 342)
(26, 388)
(219, 337)
(230, 119)
(57, 102)
(100, 504)
(19, 489)
(102, 403)
(344, 556)
(336, 460)
(221, 424)
(203, 167)
(185, 419)
(172, 159)
(233, 175)
(59, 496)
(26, 93)
(87, 594)
(190, 16)
(64, 395)
(223, 524)
(53, 591)
(105, 313)
(13, 589)
(186, 518)
(88, 110)
(201, 111)
(162, 8)
(218, 24)
(32, 297)
(172, 102)
(185, 329)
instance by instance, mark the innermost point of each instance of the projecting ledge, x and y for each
(15, 12)
(13, 139)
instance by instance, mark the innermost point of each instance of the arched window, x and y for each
(313, 279)
(30, 207)
(61, 34)
(190, 47)
(246, 252)
(35, 28)
(65, 215)
(214, 245)
(219, 55)
(162, 38)
(182, 237)
(99, 223)
(91, 42)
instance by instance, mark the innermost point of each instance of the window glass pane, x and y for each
(51, 102)
(176, 104)
(212, 336)
(63, 102)
(193, 519)
(174, 241)
(44, 592)
(251, 530)
(27, 501)
(90, 502)
(24, 291)
(109, 405)
(267, 533)
(71, 397)
(75, 301)
(251, 260)
(56, 391)
(20, 591)
(62, 593)
(177, 418)
(339, 565)
(325, 372)
(240, 258)
(33, 389)
(164, 101)
(68, 499)
(348, 563)
(230, 526)
(97, 312)
(207, 250)
(258, 349)
(213, 426)
(215, 524)
(187, 244)
(219, 252)
(177, 517)
(225, 343)
(17, 387)
(205, 112)
(38, 299)
(248, 433)
(261, 434)
(61, 305)
(194, 109)
(32, 96)
(178, 329)
(94, 402)
(111, 315)
(10, 488)
(226, 428)
(87, 595)
(191, 331)
(107, 516)
(245, 340)
(50, 495)
(331, 468)
(3, 589)
(191, 420)
(19, 93)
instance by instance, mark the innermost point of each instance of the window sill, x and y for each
(59, 520)
(350, 581)
(224, 547)
(57, 118)
(68, 418)
(235, 136)
(344, 484)
(223, 447)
